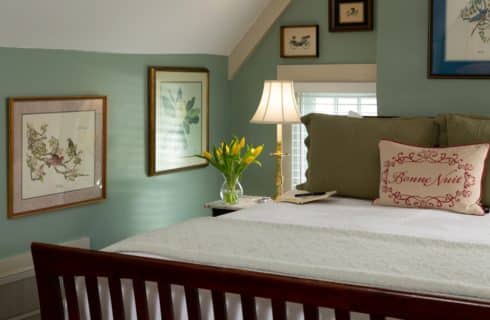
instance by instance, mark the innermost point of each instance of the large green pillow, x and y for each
(463, 130)
(343, 152)
(442, 122)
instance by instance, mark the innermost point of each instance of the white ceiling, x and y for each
(128, 26)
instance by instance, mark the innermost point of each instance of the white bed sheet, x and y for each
(362, 215)
(338, 213)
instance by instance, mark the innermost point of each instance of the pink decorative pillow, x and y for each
(440, 178)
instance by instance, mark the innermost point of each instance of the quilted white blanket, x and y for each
(407, 262)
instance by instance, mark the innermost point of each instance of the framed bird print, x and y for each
(459, 39)
(179, 118)
(57, 153)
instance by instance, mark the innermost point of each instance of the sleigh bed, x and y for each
(341, 259)
(95, 284)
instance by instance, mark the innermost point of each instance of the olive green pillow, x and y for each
(343, 152)
(463, 130)
(442, 122)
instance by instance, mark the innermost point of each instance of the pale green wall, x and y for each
(355, 47)
(403, 87)
(135, 202)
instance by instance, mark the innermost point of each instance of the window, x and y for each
(327, 98)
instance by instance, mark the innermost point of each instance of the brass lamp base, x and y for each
(279, 178)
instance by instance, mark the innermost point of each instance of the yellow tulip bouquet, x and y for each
(231, 159)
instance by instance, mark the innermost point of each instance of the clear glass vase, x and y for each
(231, 190)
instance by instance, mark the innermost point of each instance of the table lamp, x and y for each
(277, 106)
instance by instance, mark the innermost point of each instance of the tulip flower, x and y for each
(249, 160)
(232, 159)
(207, 155)
(258, 150)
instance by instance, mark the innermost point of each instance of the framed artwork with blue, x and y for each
(459, 39)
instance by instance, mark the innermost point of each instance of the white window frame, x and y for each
(325, 73)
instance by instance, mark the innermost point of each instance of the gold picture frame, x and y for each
(178, 118)
(57, 153)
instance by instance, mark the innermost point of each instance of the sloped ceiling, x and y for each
(128, 26)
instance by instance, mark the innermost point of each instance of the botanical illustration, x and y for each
(183, 111)
(48, 153)
(476, 12)
(179, 114)
(58, 152)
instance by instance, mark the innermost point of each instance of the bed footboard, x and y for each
(55, 262)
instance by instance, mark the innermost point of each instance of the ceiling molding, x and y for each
(255, 34)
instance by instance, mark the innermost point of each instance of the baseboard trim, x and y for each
(21, 267)
(26, 315)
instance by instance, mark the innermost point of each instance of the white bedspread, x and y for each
(341, 240)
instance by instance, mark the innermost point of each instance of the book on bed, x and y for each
(303, 198)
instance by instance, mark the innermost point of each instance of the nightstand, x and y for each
(220, 208)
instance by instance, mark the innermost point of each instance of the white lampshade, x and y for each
(278, 104)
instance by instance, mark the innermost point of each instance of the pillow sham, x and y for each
(443, 119)
(464, 130)
(343, 152)
(438, 178)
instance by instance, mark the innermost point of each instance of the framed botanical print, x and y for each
(459, 39)
(179, 118)
(351, 15)
(299, 41)
(57, 153)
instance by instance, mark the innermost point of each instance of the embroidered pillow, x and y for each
(439, 178)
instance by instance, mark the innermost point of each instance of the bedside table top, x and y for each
(244, 202)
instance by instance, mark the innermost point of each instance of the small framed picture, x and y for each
(299, 41)
(459, 40)
(179, 118)
(57, 153)
(350, 15)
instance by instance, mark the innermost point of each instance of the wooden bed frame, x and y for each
(55, 262)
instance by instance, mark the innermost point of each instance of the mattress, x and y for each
(342, 240)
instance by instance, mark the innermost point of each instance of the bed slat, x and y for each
(192, 301)
(140, 299)
(219, 305)
(166, 305)
(116, 297)
(49, 290)
(71, 297)
(278, 310)
(93, 298)
(52, 262)
(342, 314)
(310, 312)
(248, 308)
